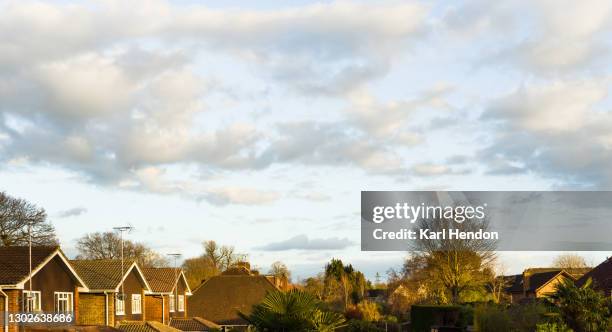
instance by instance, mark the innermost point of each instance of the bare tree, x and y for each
(108, 246)
(15, 216)
(212, 262)
(452, 266)
(280, 270)
(569, 261)
(199, 269)
(222, 257)
(498, 283)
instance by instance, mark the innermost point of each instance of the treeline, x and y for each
(20, 218)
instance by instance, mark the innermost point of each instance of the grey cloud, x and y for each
(74, 212)
(302, 242)
(334, 144)
(555, 131)
(561, 39)
(242, 196)
(113, 112)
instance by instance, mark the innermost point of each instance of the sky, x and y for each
(257, 124)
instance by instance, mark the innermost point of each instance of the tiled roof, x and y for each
(163, 279)
(14, 262)
(149, 326)
(515, 283)
(534, 278)
(220, 298)
(101, 274)
(538, 280)
(193, 324)
(601, 276)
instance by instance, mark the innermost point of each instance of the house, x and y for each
(52, 286)
(601, 276)
(536, 283)
(169, 294)
(378, 295)
(116, 292)
(221, 298)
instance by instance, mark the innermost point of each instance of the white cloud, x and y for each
(302, 242)
(427, 169)
(74, 212)
(237, 195)
(559, 131)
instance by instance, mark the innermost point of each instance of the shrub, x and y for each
(369, 311)
(581, 308)
(361, 326)
(492, 319)
(466, 316)
(527, 317)
(552, 327)
(426, 316)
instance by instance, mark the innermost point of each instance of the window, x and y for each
(120, 305)
(171, 300)
(181, 303)
(136, 304)
(31, 301)
(63, 301)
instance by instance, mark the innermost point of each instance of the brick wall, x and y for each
(13, 306)
(91, 309)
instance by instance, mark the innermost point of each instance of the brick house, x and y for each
(113, 295)
(169, 294)
(535, 283)
(220, 298)
(53, 286)
(601, 277)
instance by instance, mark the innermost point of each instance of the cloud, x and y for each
(558, 131)
(119, 111)
(312, 196)
(320, 48)
(315, 48)
(74, 212)
(544, 37)
(243, 196)
(302, 242)
(427, 169)
(322, 143)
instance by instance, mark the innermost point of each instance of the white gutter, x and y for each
(105, 308)
(163, 311)
(6, 303)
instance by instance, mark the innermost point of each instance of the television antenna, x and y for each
(121, 230)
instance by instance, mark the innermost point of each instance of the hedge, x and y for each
(423, 317)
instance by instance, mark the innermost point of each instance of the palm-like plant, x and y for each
(293, 311)
(581, 308)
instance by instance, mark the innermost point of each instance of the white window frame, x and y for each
(171, 302)
(36, 301)
(181, 303)
(136, 304)
(120, 309)
(64, 296)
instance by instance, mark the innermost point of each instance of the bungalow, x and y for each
(52, 286)
(112, 295)
(601, 276)
(168, 296)
(220, 298)
(538, 282)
